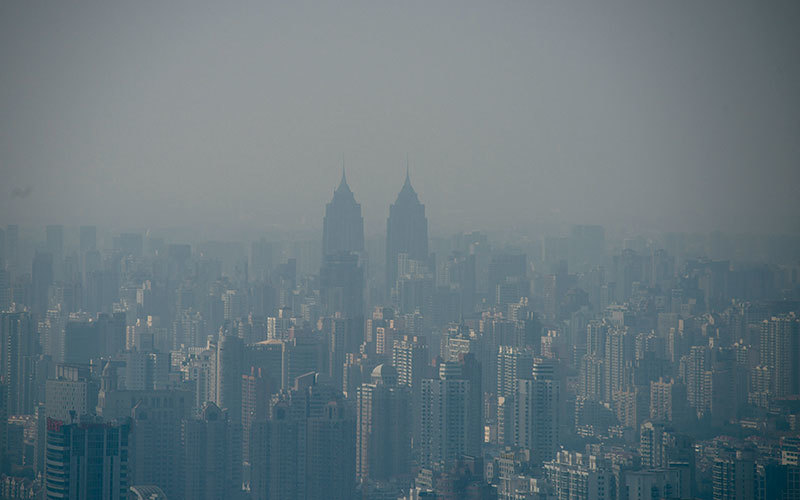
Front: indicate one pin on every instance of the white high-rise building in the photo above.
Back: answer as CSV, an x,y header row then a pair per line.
x,y
451,413
574,476
536,412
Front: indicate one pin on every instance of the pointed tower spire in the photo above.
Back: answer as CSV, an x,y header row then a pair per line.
x,y
343,182
408,172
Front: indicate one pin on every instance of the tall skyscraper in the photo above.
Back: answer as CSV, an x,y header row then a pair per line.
x,y
2,248
592,376
155,441
330,455
451,414
86,340
256,391
780,354
513,363
697,378
410,359
12,247
71,394
206,455
406,231
306,449
507,274
345,336
230,357
20,347
342,285
536,415
55,247
383,448
618,361
42,277
586,247
733,475
88,238
88,459
343,226
5,289
667,401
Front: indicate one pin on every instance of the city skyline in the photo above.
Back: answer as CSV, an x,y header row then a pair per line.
x,y
400,251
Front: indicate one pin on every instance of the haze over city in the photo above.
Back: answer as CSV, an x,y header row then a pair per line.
x,y
399,250
663,115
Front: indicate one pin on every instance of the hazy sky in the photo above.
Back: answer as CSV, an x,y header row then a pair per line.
x,y
670,114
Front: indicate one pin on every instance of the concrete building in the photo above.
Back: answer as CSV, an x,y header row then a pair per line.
x,y
87,460
574,476
383,437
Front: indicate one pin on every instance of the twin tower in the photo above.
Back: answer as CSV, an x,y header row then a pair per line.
x,y
406,228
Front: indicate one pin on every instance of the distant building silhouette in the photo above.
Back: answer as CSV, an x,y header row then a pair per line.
x,y
406,231
343,226
19,349
383,450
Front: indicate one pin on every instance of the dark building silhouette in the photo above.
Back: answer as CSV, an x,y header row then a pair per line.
x,y
206,456
343,226
306,448
20,348
342,285
230,357
55,247
88,459
406,231
88,238
383,450
87,340
42,276
586,247
155,440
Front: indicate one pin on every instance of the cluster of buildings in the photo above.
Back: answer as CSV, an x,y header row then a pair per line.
x,y
569,367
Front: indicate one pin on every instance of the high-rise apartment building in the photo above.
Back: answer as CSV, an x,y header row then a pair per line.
x,y
697,377
733,475
330,456
513,363
451,413
667,401
592,377
230,358
19,350
536,411
575,476
306,448
618,361
206,456
780,354
88,239
383,437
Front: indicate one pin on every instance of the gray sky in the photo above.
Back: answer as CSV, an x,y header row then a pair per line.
x,y
666,115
